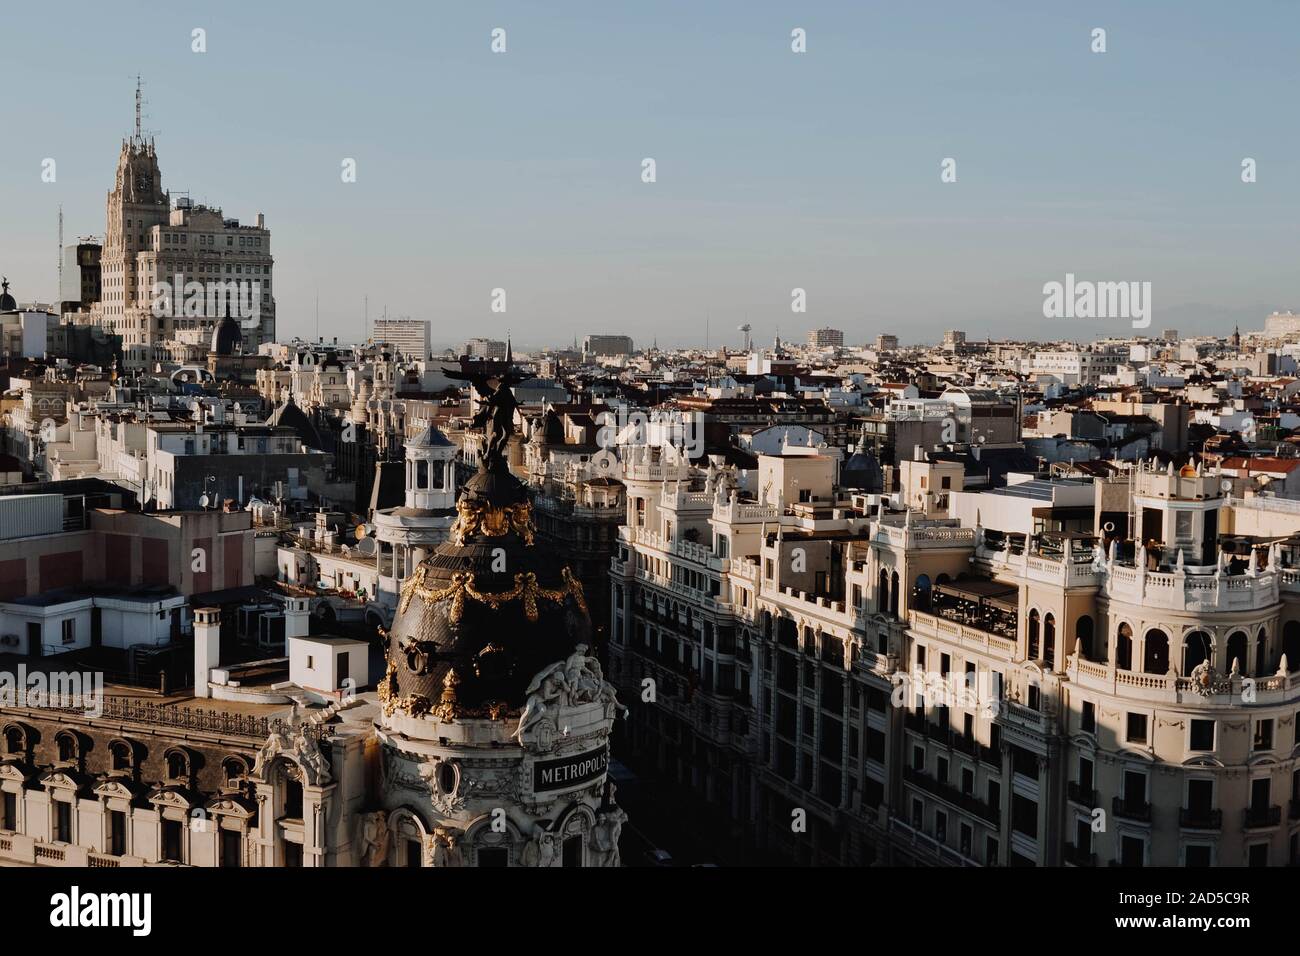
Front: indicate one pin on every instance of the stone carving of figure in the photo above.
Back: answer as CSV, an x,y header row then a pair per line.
x,y
540,850
446,851
277,742
609,826
374,839
308,752
583,676
545,691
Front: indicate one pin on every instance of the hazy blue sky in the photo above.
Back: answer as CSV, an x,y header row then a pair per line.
x,y
775,170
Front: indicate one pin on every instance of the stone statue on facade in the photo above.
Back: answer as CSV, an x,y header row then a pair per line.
x,y
446,850
374,838
540,850
609,826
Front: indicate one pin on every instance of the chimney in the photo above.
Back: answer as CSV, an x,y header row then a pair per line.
x,y
207,646
296,618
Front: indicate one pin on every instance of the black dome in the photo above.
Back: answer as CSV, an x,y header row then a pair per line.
x,y
226,337
862,472
483,614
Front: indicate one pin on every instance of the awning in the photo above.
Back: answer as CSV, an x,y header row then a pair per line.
x,y
982,591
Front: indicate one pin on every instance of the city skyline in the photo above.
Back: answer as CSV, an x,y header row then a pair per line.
x,y
775,170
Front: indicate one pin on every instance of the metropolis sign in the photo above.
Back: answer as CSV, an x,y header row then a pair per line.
x,y
564,772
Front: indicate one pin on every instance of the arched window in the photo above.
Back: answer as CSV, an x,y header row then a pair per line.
x,y
1033,634
882,592
1155,656
233,770
67,745
15,740
1261,654
1124,648
1237,651
178,765
1197,649
1291,645
893,594
921,596
119,755
1049,642
1083,636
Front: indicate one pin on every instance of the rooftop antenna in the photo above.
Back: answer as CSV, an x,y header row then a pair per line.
x,y
56,298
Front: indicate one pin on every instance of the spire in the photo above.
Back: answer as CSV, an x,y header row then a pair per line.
x,y
138,133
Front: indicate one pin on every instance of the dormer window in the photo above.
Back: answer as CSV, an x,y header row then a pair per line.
x,y
68,747
178,765
15,741
120,756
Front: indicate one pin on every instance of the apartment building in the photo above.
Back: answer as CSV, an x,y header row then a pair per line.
x,y
1071,673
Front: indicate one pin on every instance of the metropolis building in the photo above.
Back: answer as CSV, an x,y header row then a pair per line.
x,y
485,743
1061,673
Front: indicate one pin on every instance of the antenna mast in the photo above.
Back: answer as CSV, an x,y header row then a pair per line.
x,y
60,295
138,135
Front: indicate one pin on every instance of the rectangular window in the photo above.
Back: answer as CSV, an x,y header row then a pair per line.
x,y
231,846
1088,724
70,631
1264,734
1024,815
171,841
9,814
62,821
1202,735
1137,728
116,833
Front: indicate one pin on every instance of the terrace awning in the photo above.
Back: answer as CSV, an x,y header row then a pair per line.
x,y
981,591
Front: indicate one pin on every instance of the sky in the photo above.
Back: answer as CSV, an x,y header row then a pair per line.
x,y
774,170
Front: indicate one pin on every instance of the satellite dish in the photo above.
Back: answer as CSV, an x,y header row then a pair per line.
x,y
204,501
49,430
1226,484
366,546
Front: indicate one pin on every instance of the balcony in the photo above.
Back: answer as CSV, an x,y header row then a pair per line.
x,y
1256,817
1079,795
1179,591
1138,812
1200,819
950,794
998,643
